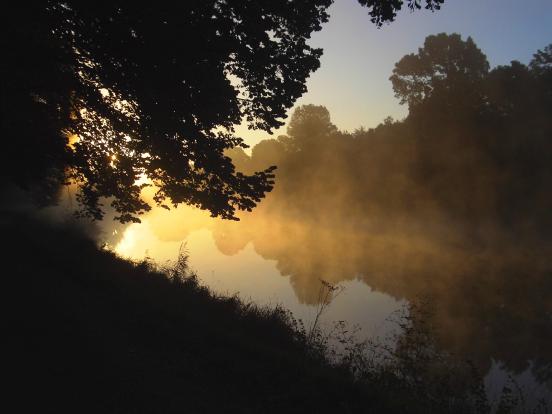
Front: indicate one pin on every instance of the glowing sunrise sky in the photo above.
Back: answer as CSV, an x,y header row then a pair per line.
x,y
353,80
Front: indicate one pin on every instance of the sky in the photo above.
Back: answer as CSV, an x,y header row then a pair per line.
x,y
353,80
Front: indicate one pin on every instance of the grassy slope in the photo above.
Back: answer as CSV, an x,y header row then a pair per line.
x,y
88,332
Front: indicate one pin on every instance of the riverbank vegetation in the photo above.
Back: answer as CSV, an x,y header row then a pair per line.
x,y
91,332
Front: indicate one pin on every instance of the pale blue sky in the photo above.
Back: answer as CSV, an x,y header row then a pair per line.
x,y
358,59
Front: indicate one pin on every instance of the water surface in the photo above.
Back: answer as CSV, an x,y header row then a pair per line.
x,y
492,303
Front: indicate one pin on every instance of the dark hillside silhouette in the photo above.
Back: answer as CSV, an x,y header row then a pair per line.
x,y
89,332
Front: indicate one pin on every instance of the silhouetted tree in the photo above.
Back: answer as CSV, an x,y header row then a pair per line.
x,y
445,64
151,90
154,90
267,152
385,11
542,61
309,124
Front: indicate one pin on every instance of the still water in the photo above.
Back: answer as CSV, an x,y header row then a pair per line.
x,y
254,278
492,304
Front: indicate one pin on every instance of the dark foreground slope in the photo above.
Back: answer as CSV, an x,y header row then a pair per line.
x,y
89,332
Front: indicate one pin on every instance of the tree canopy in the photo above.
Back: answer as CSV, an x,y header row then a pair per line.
x,y
444,62
310,122
385,11
104,95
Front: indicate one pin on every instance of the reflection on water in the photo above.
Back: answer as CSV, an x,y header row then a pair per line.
x,y
245,272
493,304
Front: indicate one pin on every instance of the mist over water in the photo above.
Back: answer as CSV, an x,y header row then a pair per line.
x,y
450,205
491,302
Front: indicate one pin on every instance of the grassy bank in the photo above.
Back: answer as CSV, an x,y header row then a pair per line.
x,y
90,332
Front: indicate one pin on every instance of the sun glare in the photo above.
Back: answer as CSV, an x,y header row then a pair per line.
x,y
72,139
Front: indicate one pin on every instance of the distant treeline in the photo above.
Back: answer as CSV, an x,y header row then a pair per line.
x,y
474,152
452,203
